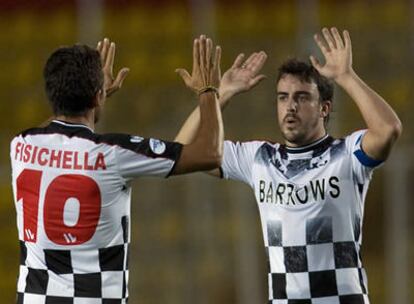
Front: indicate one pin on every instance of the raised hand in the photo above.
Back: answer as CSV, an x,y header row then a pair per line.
x,y
243,75
209,67
206,69
107,51
337,51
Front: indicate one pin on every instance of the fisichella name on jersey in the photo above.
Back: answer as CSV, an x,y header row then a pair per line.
x,y
289,194
63,159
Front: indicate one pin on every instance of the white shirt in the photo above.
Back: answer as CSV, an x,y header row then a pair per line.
x,y
311,203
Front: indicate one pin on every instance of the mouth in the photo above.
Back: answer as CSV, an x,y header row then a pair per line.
x,y
291,120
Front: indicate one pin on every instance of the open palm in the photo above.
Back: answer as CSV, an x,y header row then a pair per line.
x,y
243,75
337,52
107,51
203,59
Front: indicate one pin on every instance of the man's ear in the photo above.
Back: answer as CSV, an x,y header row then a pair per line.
x,y
99,98
326,108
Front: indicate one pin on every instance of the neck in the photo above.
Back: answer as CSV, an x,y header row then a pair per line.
x,y
306,141
87,119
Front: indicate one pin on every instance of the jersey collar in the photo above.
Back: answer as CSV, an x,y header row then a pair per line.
x,y
71,125
319,145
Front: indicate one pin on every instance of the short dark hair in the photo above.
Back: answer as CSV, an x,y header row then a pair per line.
x,y
73,76
306,72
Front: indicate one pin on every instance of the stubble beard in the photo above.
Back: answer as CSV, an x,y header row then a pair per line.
x,y
300,135
295,136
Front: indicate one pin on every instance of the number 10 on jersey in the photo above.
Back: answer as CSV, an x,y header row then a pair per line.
x,y
80,187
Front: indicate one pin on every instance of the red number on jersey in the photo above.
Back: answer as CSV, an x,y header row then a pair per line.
x,y
62,188
69,186
28,187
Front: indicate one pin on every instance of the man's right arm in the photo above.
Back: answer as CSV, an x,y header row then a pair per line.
x,y
204,150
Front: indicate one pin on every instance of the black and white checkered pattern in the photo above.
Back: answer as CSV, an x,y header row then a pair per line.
x,y
74,276
341,282
64,282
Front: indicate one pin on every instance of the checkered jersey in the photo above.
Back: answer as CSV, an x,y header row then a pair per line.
x,y
72,197
311,203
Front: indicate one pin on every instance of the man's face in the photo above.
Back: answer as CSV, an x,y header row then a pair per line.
x,y
300,113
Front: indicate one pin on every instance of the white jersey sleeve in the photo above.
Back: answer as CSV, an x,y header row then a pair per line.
x,y
238,160
362,164
146,157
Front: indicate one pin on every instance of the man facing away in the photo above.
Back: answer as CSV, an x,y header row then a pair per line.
x,y
310,190
72,186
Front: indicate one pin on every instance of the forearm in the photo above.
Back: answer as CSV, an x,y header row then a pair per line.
x,y
206,150
189,129
383,124
377,114
210,133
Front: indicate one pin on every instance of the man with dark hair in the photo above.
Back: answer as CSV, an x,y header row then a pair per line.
x,y
73,76
72,186
310,190
307,73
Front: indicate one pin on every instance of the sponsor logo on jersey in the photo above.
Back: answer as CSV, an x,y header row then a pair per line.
x,y
289,194
136,139
157,146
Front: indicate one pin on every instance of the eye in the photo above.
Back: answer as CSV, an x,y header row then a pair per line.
x,y
303,98
281,98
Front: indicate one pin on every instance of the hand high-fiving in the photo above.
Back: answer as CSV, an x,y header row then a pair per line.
x,y
243,75
107,51
206,69
337,51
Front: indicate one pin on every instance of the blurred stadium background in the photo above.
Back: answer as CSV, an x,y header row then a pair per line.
x,y
197,239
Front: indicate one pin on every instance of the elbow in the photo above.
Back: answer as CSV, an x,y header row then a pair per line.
x,y
395,130
398,128
390,134
214,159
217,160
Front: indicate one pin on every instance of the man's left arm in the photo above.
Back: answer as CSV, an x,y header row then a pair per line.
x,y
384,126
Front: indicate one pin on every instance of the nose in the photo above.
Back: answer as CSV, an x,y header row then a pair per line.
x,y
292,105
